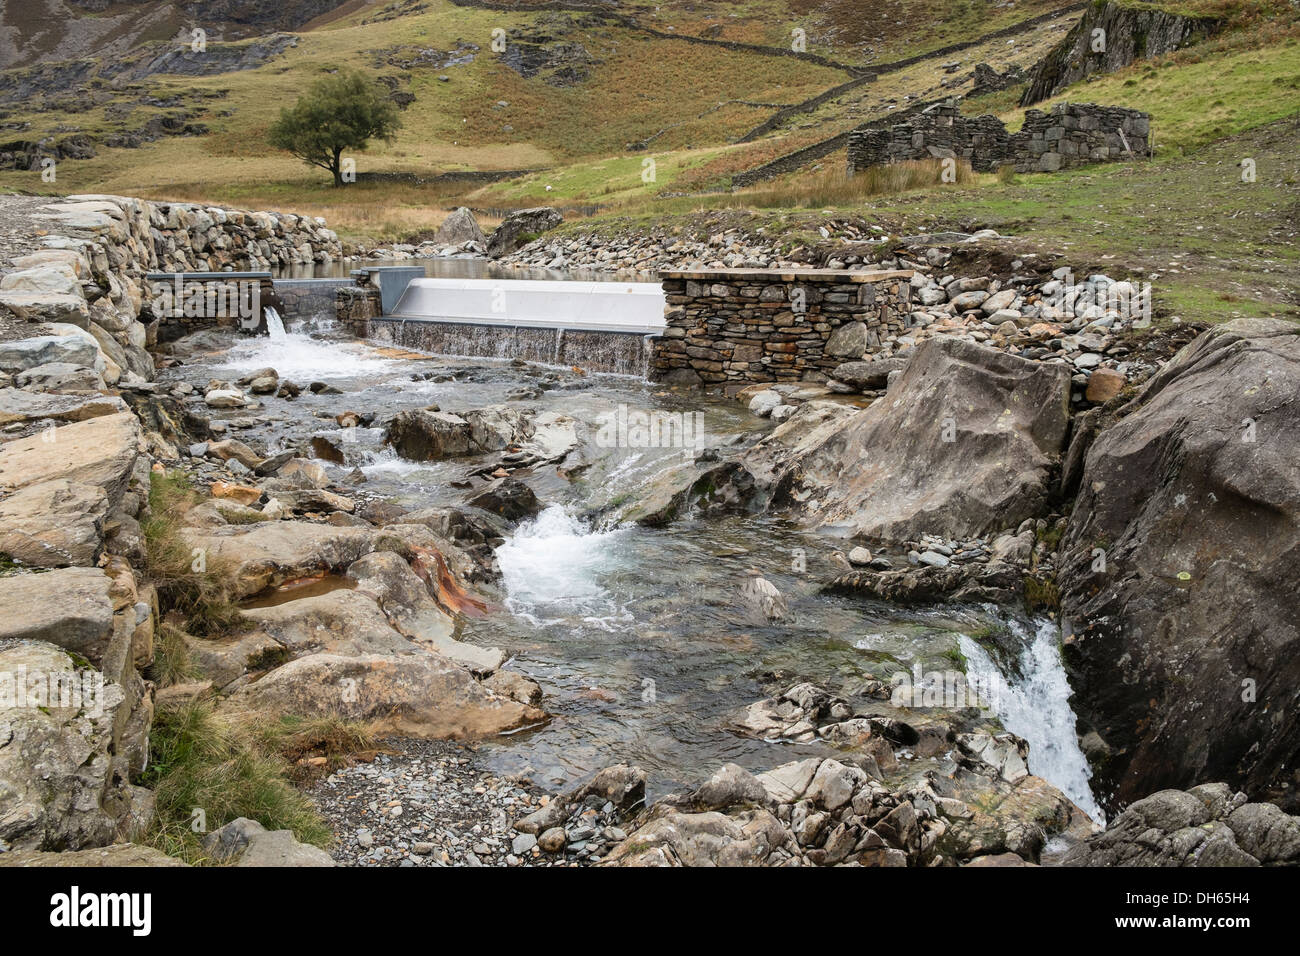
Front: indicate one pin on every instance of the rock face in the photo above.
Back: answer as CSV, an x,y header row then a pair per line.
x,y
520,227
962,444
1130,33
1179,574
1208,825
66,758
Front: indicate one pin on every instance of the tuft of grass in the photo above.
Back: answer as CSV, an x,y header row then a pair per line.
x,y
225,766
202,592
1041,595
241,764
171,661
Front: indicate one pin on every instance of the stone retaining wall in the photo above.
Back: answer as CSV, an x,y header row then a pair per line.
x,y
1072,134
729,328
355,306
310,298
90,255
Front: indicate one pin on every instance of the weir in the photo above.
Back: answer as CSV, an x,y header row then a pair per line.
x,y
599,326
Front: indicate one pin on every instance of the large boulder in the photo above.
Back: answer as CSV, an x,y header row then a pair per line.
x,y
520,227
961,445
250,844
421,694
29,353
70,607
459,227
1179,572
268,553
18,406
54,524
423,434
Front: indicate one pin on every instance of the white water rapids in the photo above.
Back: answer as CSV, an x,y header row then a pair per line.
x,y
598,613
1036,706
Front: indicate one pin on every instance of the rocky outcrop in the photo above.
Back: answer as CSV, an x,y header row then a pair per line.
x,y
244,842
1209,825
460,227
963,443
832,812
427,434
1179,573
71,738
1129,32
420,694
520,227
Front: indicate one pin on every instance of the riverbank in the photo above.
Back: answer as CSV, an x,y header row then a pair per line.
x,y
835,634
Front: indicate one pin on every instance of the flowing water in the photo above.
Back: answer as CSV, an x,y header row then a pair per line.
x,y
640,637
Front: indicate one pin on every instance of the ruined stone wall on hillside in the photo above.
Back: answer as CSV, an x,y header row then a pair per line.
x,y
1072,134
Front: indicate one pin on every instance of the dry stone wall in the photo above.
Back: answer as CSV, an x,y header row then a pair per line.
x,y
1072,134
730,328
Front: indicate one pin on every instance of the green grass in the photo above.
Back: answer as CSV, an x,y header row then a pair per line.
x,y
171,662
238,765
202,593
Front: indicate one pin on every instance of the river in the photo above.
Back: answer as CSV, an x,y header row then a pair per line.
x,y
639,636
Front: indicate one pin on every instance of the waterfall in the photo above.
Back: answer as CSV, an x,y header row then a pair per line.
x,y
1036,706
274,324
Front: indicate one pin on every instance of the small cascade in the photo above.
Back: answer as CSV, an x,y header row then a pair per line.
x,y
274,324
618,353
1036,706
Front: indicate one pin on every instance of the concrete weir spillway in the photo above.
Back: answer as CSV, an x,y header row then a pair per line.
x,y
599,326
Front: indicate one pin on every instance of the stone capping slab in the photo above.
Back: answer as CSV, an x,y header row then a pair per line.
x,y
787,275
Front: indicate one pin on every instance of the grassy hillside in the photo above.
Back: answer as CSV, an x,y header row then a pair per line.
x,y
646,90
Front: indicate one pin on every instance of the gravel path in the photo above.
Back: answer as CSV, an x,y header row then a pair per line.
x,y
18,227
427,803
18,236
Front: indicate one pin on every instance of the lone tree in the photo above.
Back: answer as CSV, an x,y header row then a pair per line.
x,y
339,112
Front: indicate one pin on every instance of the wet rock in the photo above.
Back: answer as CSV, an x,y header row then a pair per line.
x,y
509,498
423,435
